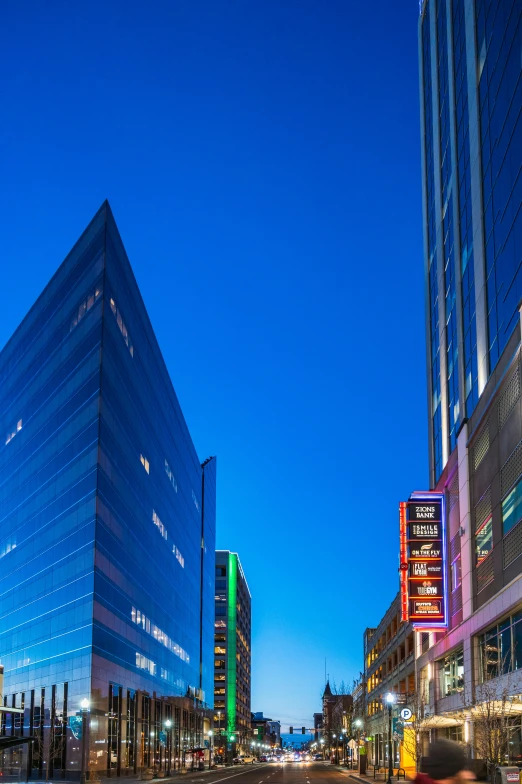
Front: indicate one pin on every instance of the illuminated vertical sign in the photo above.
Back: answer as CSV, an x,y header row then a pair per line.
x,y
426,560
403,562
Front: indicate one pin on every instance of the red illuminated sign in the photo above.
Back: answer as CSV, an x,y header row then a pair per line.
x,y
403,562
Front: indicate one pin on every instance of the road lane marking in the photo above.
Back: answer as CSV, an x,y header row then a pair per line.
x,y
225,778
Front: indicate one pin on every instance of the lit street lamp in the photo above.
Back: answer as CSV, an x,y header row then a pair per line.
x,y
168,725
210,749
390,699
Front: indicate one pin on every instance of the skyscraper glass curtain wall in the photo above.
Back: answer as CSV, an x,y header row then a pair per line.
x,y
472,143
107,578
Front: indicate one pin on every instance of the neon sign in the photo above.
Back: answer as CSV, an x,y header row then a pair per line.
x,y
424,599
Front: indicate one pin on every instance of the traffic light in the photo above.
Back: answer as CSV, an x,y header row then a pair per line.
x,y
291,730
303,730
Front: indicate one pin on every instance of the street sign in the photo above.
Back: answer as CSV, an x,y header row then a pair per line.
x,y
406,714
400,699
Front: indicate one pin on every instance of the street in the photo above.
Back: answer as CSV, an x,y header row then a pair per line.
x,y
274,773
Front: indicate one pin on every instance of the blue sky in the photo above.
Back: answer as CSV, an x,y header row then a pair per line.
x,y
262,159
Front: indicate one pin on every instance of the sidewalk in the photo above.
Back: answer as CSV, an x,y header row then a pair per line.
x,y
368,777
189,775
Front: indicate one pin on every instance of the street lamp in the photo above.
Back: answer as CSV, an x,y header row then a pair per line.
x,y
390,699
334,736
168,725
358,724
85,708
210,749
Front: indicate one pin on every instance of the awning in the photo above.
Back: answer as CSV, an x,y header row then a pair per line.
x,y
14,740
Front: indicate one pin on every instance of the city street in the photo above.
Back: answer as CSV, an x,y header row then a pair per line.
x,y
271,773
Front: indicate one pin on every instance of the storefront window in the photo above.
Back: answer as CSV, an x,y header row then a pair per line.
x,y
501,648
451,674
455,733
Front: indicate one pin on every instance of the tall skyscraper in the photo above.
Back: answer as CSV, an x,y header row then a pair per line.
x,y
471,155
232,655
107,529
471,97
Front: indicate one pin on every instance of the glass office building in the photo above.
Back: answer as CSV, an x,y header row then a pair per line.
x,y
471,127
107,529
471,93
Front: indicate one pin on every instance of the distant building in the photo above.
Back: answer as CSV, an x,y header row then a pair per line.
x,y
329,701
275,732
359,701
318,725
232,654
266,731
336,719
342,714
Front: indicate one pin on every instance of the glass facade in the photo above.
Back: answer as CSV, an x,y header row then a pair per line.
x,y
448,231
106,588
501,648
472,142
451,674
431,231
467,266
499,42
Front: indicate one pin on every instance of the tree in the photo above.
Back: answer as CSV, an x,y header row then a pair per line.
x,y
495,711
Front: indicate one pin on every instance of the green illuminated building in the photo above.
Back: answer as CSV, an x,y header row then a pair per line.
x,y
232,654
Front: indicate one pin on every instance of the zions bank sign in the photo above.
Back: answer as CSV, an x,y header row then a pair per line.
x,y
423,567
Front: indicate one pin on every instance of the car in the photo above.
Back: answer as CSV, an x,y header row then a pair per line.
x,y
263,758
318,756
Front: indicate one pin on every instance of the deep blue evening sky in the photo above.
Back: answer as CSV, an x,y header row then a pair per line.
x,y
262,159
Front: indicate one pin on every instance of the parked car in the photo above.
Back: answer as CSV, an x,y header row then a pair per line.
x,y
318,756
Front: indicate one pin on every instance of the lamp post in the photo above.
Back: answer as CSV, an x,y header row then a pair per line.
x,y
210,749
390,699
85,708
168,725
334,736
358,724
322,746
